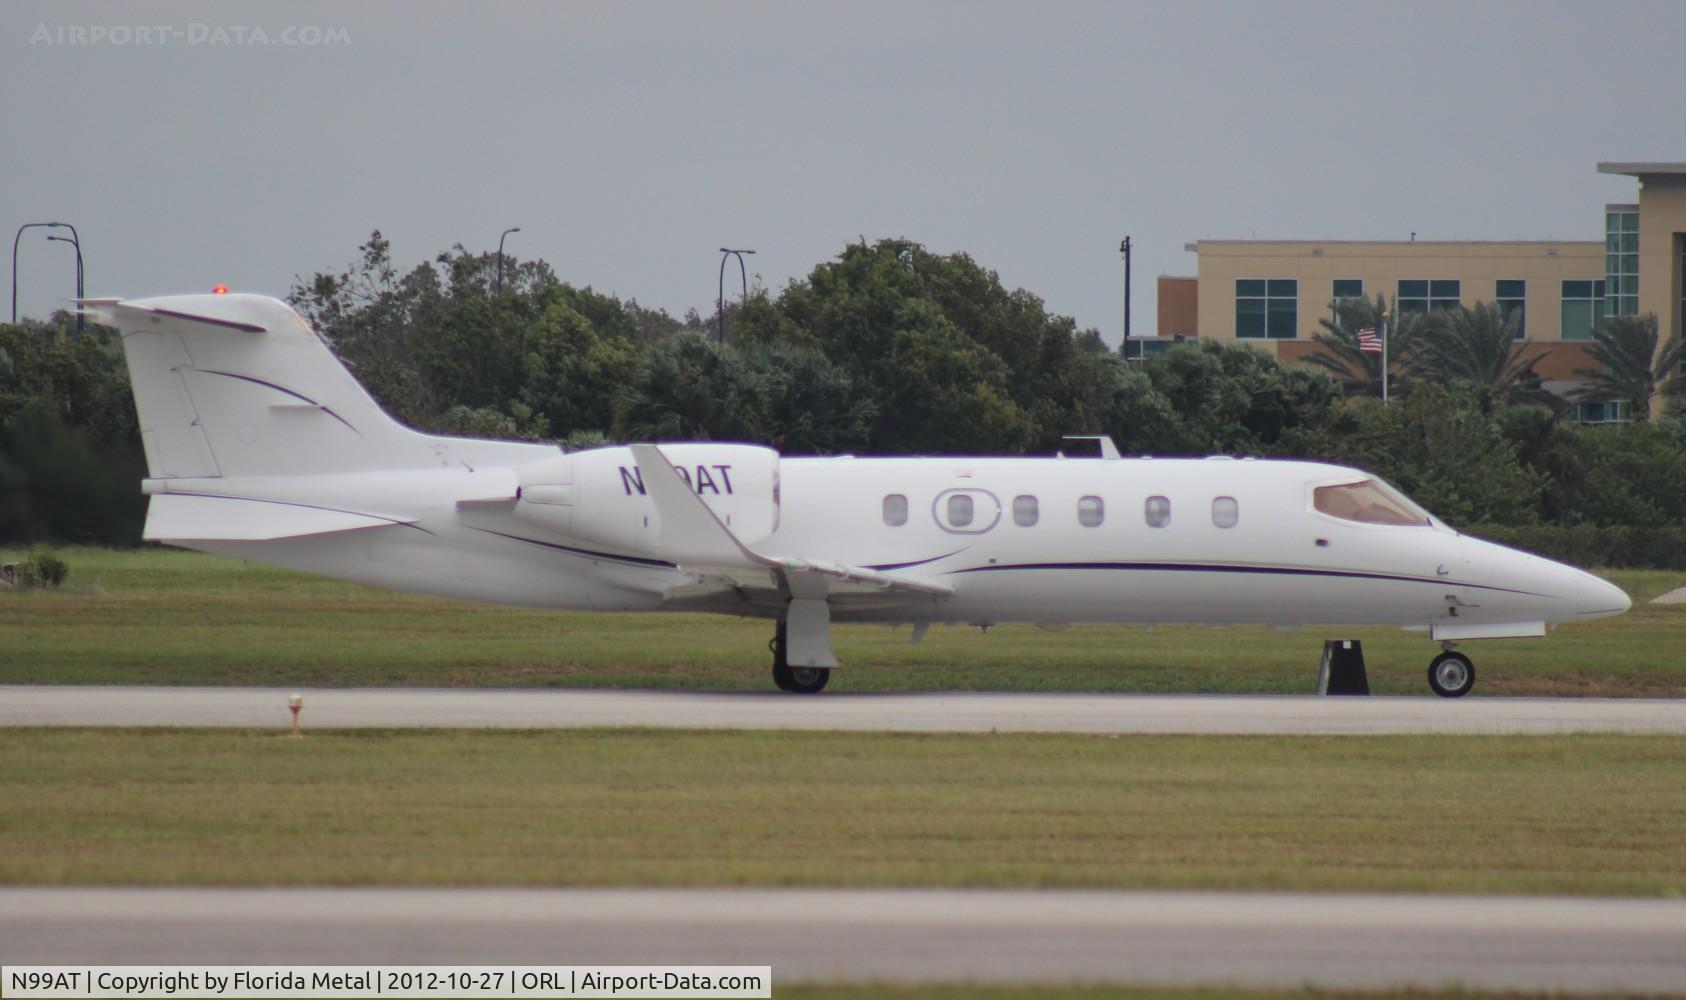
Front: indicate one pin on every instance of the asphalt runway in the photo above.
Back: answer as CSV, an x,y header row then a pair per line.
x,y
339,708
1257,939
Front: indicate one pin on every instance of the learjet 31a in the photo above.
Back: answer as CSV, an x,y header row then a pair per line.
x,y
261,445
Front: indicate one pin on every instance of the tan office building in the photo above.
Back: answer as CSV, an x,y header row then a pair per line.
x,y
1271,294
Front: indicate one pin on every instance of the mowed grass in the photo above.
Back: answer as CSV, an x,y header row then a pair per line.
x,y
155,616
1577,814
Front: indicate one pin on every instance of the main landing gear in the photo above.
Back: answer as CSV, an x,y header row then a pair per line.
x,y
1450,674
798,680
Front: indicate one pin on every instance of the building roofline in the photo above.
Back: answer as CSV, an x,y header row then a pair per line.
x,y
1640,168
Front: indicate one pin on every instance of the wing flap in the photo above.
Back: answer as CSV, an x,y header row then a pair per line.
x,y
201,518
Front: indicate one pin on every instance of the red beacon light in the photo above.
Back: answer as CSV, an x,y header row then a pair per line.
x,y
220,290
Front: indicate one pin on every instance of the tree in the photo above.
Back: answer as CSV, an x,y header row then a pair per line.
x,y
1478,346
1631,368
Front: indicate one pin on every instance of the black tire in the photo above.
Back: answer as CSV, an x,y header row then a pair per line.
x,y
801,680
1451,675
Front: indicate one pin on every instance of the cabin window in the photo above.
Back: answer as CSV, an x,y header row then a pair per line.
x,y
1368,502
960,511
1025,511
1225,512
1157,510
895,510
1091,511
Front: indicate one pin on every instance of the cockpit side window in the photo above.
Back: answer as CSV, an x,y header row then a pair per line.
x,y
1367,502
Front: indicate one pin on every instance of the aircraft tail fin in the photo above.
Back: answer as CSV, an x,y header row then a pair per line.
x,y
240,385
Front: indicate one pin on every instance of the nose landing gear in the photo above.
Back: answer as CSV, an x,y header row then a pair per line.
x,y
1451,674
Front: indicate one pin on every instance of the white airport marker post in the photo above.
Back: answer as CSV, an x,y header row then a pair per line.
x,y
295,703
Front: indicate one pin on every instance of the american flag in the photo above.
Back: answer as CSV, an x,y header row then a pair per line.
x,y
1369,342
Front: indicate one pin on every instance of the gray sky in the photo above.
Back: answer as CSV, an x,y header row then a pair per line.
x,y
630,140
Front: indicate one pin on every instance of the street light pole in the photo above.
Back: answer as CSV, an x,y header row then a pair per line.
x,y
743,274
76,242
501,237
1124,248
18,236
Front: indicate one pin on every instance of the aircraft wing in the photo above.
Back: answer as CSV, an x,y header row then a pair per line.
x,y
695,539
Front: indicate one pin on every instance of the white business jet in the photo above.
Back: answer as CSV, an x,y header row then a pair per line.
x,y
261,445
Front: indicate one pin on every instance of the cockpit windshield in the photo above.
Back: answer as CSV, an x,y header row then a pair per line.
x,y
1368,501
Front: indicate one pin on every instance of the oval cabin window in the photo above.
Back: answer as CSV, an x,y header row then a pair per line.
x,y
959,511
1157,511
1225,512
1091,511
895,510
1025,511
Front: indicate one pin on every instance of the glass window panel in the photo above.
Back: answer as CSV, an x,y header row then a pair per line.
x,y
895,510
1577,289
1283,316
1577,319
1512,289
1630,263
1157,511
1612,221
1444,289
1368,502
1630,222
1443,305
1612,241
1413,289
959,510
1612,263
1250,286
1025,511
1408,306
1091,511
1598,289
1225,512
1249,317
1284,288
1630,243
1349,288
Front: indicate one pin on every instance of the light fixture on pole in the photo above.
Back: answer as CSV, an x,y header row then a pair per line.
x,y
81,320
501,237
743,273
18,236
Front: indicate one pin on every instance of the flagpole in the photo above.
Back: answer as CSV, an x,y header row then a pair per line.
x,y
1384,355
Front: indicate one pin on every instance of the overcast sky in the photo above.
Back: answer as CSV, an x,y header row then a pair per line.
x,y
629,141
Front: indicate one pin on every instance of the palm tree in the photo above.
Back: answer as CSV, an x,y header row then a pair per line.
x,y
1360,372
1631,369
1479,346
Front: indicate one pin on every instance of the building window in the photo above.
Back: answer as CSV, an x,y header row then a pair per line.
x,y
1349,288
1267,309
895,510
1025,511
1091,511
1225,512
1583,305
1512,297
1621,260
1157,511
1611,412
1137,348
1436,295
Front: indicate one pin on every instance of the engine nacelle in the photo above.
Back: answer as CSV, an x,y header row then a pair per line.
x,y
599,496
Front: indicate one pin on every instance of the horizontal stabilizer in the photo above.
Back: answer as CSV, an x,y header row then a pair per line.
x,y
111,310
183,517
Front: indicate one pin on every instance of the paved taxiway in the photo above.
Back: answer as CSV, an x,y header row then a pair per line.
x,y
26,705
911,935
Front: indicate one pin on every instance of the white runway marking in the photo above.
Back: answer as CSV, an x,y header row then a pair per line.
x,y
1272,940
336,708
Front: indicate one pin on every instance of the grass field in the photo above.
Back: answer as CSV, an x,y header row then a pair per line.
x,y
1537,814
152,616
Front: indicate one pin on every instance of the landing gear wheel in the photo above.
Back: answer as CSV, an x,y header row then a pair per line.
x,y
1451,675
801,680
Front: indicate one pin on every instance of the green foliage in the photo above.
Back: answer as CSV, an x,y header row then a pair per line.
x,y
1478,347
1228,398
1359,372
1662,547
42,570
1631,369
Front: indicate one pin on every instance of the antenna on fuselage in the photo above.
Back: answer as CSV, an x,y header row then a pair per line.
x,y
1109,451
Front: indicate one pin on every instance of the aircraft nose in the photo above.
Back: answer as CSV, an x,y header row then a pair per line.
x,y
1596,598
